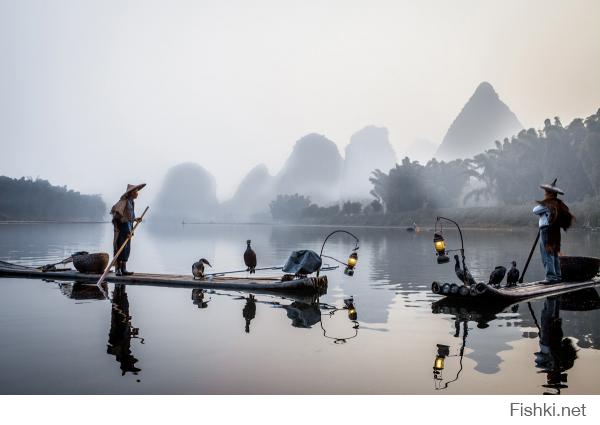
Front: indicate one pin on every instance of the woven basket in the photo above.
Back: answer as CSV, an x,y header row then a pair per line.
x,y
91,263
579,269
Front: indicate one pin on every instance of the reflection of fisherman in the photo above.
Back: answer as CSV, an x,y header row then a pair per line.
x,y
249,311
557,354
554,215
123,213
119,337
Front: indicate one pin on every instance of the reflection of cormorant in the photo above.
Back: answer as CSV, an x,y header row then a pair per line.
x,y
198,298
249,311
557,354
121,332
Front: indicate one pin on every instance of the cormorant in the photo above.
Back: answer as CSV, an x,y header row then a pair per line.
x,y
250,258
513,274
198,268
497,275
466,278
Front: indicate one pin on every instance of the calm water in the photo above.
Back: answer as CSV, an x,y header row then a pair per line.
x,y
60,337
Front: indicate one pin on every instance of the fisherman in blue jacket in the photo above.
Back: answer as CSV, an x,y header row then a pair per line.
x,y
553,215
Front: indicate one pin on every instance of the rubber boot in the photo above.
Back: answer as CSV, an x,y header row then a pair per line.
x,y
118,269
124,271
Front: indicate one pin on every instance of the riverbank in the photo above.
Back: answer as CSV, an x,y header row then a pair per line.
x,y
587,214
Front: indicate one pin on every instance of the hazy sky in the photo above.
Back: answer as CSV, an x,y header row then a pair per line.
x,y
98,94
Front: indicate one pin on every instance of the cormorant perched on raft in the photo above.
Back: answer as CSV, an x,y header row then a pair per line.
x,y
497,276
250,258
512,277
198,268
460,273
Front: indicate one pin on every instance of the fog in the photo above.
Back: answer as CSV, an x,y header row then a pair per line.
x,y
95,95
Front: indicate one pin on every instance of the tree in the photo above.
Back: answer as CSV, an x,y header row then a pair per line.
x,y
288,207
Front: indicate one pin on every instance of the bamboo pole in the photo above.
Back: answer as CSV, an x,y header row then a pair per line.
x,y
537,238
112,263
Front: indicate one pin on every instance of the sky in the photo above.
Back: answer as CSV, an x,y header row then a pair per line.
x,y
98,94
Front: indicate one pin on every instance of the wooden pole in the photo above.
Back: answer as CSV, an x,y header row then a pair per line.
x,y
537,238
121,248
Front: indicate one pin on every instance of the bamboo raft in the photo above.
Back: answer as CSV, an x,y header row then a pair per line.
x,y
483,293
316,285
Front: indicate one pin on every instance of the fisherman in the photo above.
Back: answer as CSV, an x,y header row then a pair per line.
x,y
123,213
554,215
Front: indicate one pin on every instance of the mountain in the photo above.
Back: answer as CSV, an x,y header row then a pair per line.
x,y
484,119
313,169
369,149
188,194
252,197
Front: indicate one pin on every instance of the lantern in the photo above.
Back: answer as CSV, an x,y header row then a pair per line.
x,y
351,263
440,248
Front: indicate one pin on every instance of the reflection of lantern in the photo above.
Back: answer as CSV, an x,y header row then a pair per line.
x,y
349,305
352,260
440,248
352,315
438,364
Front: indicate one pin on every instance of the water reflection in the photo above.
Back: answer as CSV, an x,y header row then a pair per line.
x,y
121,332
249,311
443,351
198,298
557,354
81,290
352,314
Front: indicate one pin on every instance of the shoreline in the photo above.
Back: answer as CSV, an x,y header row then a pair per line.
x,y
402,227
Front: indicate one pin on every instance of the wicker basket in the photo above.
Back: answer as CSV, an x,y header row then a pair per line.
x,y
579,269
91,263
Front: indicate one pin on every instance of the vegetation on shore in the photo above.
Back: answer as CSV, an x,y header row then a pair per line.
x,y
37,200
587,214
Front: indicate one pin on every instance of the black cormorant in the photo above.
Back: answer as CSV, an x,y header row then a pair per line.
x,y
512,277
250,258
466,278
198,268
497,275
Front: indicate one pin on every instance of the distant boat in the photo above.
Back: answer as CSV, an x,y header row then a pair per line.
x,y
413,228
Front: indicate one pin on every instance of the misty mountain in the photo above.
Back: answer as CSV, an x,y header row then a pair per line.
x,y
484,119
313,169
188,194
252,196
27,199
369,149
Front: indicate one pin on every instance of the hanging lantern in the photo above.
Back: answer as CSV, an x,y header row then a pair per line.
x,y
440,248
352,260
439,243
